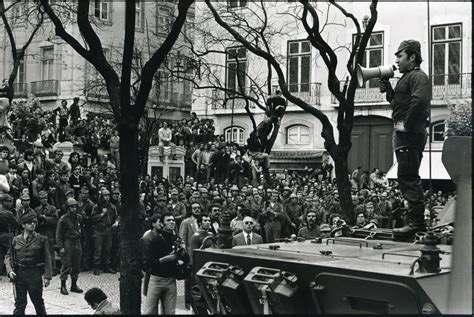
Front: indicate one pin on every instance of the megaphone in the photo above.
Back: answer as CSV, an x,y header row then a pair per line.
x,y
363,74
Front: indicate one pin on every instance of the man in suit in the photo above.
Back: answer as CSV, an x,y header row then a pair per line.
x,y
187,229
247,236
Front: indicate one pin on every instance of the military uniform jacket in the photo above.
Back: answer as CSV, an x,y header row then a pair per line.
x,y
68,228
410,101
103,223
47,217
34,253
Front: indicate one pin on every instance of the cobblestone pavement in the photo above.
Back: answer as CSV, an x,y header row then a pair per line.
x,y
74,304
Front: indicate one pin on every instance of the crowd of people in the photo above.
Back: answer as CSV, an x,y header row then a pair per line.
x,y
74,203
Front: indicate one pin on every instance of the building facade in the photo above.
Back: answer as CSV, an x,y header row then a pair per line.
x,y
446,52
52,70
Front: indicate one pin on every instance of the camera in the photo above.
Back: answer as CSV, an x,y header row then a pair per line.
x,y
177,253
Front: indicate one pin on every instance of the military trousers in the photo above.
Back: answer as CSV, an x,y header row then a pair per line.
x,y
29,281
102,247
71,260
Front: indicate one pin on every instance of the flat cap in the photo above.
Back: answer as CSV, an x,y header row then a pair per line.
x,y
42,194
71,202
28,217
174,191
410,45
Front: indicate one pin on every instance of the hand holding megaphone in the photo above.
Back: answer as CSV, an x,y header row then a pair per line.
x,y
383,72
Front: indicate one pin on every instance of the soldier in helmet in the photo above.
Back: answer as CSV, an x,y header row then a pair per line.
x,y
47,221
410,101
103,217
68,240
33,260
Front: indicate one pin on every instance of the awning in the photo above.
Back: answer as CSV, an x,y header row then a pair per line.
x,y
296,155
438,171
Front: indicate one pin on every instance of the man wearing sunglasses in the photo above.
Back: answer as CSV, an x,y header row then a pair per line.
x,y
247,236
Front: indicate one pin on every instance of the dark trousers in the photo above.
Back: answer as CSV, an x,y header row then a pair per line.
x,y
71,260
4,246
102,247
87,244
29,281
409,181
188,285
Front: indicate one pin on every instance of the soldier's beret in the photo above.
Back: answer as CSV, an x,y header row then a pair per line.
x,y
28,217
42,194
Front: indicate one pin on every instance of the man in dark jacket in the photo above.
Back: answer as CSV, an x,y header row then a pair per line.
x,y
163,253
410,101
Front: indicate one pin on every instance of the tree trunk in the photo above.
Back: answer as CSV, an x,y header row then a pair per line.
x,y
130,233
344,187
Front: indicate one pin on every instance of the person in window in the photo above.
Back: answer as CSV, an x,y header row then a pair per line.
x,y
410,101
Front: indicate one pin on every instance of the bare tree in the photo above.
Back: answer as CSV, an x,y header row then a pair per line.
x,y
13,14
310,19
127,114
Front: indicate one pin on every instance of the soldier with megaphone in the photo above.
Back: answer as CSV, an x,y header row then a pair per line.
x,y
409,101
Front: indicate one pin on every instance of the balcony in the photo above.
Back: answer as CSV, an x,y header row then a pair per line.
x,y
309,93
452,86
21,90
219,101
173,100
45,88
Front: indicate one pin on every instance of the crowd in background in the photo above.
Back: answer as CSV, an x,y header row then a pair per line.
x,y
221,177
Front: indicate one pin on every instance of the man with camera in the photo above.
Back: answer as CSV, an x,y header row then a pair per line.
x,y
409,101
163,253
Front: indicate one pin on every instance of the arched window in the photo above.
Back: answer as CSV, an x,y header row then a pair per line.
x,y
297,134
234,134
438,129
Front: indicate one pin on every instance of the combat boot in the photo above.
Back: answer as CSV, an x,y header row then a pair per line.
x,y
74,287
416,223
63,288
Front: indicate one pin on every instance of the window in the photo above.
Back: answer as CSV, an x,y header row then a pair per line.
x,y
438,131
20,78
446,50
299,65
234,134
139,14
373,55
297,134
47,63
164,20
236,66
164,83
102,9
236,3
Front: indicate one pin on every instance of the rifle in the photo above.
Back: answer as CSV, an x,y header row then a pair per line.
x,y
13,261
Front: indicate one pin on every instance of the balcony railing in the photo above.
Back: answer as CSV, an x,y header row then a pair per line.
x,y
309,93
21,90
45,88
221,101
443,87
173,100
